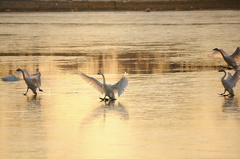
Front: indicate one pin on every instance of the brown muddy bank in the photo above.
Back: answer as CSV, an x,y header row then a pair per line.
x,y
117,5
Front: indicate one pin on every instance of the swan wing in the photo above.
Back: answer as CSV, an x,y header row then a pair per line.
x,y
26,74
217,54
229,76
236,54
36,79
234,79
93,82
121,84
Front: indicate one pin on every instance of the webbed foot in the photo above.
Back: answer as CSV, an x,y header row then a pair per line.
x,y
104,99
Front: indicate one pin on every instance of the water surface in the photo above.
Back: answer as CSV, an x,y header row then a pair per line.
x,y
170,109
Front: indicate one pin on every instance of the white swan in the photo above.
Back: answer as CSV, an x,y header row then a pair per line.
x,y
230,59
10,78
230,82
32,83
107,89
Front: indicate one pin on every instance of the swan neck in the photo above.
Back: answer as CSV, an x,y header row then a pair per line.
x,y
104,81
224,75
23,74
223,53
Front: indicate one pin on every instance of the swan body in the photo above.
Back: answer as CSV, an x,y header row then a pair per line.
x,y
230,59
10,78
229,82
32,82
107,89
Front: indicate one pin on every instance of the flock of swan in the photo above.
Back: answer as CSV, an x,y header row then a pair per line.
x,y
33,81
231,81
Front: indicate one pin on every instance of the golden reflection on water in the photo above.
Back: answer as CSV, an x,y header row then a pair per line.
x,y
170,109
166,114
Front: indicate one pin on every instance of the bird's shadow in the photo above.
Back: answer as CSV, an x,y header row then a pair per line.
x,y
230,104
105,109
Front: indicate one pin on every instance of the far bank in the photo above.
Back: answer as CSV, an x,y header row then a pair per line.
x,y
117,5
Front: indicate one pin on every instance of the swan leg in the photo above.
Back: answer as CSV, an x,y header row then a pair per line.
x,y
35,93
222,94
228,95
40,89
113,98
229,68
26,91
103,99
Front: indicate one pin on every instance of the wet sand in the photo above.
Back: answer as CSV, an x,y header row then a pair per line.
x,y
83,5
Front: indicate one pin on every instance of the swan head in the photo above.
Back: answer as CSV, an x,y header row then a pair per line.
x,y
216,49
18,69
100,73
221,70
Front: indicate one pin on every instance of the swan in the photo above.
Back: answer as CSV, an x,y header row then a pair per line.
x,y
10,78
230,59
32,83
230,82
107,89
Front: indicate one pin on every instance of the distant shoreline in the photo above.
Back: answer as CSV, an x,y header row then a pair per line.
x,y
116,5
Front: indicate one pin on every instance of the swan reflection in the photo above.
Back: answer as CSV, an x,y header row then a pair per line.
x,y
33,102
117,108
231,104
106,109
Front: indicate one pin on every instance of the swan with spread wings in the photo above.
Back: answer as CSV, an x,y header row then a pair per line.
x,y
32,81
107,89
229,82
230,59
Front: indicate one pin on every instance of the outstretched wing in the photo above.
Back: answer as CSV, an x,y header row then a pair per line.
x,y
26,74
234,79
121,84
229,76
217,54
236,54
93,82
36,79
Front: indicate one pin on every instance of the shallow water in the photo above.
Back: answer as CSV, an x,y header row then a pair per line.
x,y
170,109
